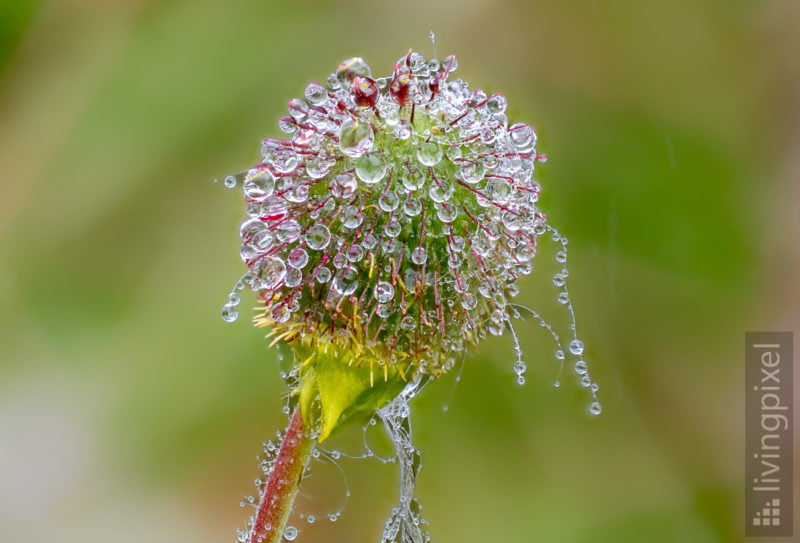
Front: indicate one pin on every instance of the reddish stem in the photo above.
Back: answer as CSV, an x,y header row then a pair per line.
x,y
284,481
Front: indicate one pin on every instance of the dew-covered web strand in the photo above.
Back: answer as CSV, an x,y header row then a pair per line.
x,y
456,381
576,347
405,522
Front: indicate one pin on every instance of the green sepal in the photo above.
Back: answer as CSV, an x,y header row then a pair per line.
x,y
332,394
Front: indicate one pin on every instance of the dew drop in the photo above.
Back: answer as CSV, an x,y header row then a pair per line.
x,y
298,258
441,192
352,217
355,137
388,201
392,228
419,255
383,292
293,277
472,171
323,275
595,408
290,533
496,104
429,153
522,137
229,313
408,323
346,281
316,94
259,185
271,270
355,253
497,190
343,186
371,168
447,212
318,237
576,347
230,181
412,206
469,301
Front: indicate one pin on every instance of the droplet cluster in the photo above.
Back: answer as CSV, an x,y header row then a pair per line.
x,y
397,211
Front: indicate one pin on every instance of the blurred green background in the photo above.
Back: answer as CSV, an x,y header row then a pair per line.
x,y
130,412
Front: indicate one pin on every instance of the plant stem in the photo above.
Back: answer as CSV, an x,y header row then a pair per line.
x,y
284,481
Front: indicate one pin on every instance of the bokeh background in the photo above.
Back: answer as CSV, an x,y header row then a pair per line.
x,y
129,412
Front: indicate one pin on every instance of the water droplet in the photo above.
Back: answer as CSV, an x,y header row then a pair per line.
x,y
290,533
323,275
271,271
284,160
429,153
355,253
369,241
316,94
350,68
318,167
383,292
298,258
346,281
561,257
497,190
229,313
352,217
412,206
318,237
563,298
297,108
371,168
512,221
469,301
355,137
388,201
419,255
258,185
408,323
293,277
580,367
496,104
343,186
311,519
392,228
522,137
230,181
281,313
412,181
403,130
441,192
472,171
447,212
576,347
339,261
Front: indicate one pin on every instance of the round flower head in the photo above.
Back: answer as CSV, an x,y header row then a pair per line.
x,y
390,226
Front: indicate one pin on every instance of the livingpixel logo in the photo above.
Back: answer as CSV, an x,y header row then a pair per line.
x,y
769,453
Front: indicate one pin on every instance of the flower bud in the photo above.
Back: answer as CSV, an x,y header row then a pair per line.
x,y
388,230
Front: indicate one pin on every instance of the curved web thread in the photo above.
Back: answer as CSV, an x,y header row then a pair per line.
x,y
405,525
